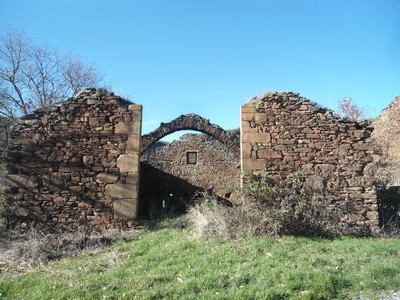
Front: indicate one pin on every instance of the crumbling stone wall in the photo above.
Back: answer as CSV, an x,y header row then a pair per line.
x,y
386,135
282,133
168,175
75,166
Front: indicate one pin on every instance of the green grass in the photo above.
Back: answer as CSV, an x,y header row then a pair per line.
x,y
167,264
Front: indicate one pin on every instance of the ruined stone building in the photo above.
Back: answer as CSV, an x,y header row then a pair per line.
x,y
196,162
76,166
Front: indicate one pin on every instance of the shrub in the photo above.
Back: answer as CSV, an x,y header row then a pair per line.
x,y
210,218
270,207
290,203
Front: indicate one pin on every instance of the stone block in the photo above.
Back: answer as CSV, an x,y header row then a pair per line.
x,y
106,178
261,117
87,160
75,189
125,209
256,137
246,127
94,122
135,107
362,146
247,116
128,128
253,164
373,217
246,150
121,191
269,154
22,181
128,162
137,115
132,179
247,108
133,144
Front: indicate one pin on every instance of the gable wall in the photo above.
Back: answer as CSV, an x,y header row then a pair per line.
x,y
283,133
76,165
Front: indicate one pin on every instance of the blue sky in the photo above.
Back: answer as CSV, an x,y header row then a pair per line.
x,y
210,56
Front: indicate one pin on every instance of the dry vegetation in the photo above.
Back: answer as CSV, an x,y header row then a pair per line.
x,y
273,208
23,250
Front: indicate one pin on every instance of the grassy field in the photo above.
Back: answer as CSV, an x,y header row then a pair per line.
x,y
168,264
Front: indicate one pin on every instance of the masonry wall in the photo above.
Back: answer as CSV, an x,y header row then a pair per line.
x,y
167,172
284,133
75,166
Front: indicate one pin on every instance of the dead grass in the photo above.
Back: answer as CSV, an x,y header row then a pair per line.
x,y
209,218
20,251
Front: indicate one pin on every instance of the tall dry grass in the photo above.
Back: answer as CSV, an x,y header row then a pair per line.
x,y
20,251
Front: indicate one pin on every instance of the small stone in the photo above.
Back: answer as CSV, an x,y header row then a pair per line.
x,y
106,178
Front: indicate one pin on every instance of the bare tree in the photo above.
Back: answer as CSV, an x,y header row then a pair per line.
x,y
349,108
34,77
77,75
14,49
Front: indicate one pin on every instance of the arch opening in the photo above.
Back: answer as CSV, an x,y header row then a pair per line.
x,y
206,158
196,123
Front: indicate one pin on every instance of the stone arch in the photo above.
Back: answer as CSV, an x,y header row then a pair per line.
x,y
192,122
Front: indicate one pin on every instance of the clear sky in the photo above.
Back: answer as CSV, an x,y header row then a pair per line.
x,y
210,56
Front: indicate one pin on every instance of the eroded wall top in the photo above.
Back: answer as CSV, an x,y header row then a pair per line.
x,y
75,165
283,133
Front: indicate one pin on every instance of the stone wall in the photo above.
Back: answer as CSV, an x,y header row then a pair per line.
x,y
75,166
195,162
283,133
386,135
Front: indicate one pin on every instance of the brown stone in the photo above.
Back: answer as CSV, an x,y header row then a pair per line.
x,y
128,162
128,128
121,191
125,208
256,137
106,178
269,154
132,179
21,180
133,144
75,189
94,122
22,211
253,164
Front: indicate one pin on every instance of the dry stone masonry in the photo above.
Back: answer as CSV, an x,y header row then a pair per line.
x,y
282,133
75,166
192,122
200,162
